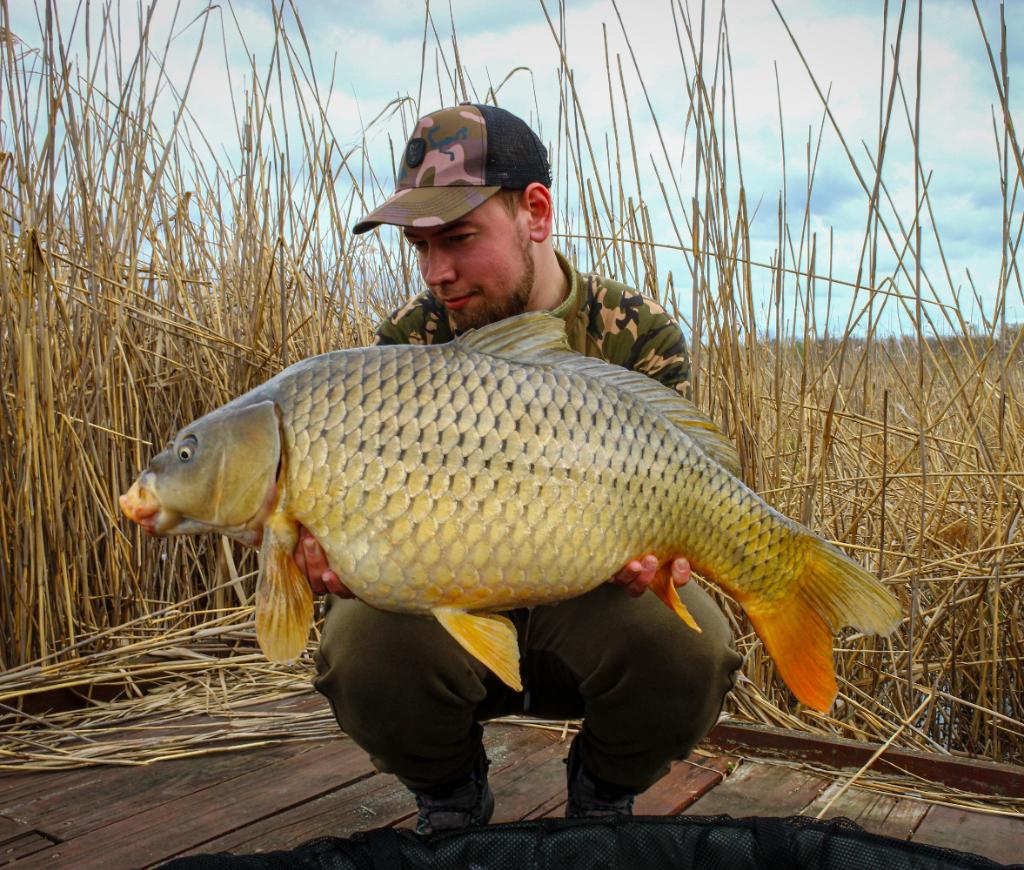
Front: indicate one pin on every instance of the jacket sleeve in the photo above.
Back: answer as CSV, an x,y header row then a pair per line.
x,y
637,333
661,353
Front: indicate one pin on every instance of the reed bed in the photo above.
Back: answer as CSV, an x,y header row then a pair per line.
x,y
147,276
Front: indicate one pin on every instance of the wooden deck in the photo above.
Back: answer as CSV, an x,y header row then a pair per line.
x,y
281,795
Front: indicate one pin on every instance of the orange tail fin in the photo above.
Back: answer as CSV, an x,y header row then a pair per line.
x,y
800,643
797,630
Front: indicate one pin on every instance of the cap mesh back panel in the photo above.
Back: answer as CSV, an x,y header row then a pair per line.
x,y
515,155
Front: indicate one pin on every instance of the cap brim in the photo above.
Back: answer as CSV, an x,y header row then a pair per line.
x,y
426,206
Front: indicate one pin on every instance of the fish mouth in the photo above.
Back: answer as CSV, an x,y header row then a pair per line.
x,y
141,505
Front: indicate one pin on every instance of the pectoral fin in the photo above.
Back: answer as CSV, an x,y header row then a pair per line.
x,y
487,637
284,600
665,589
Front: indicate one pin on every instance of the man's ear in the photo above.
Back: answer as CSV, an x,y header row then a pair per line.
x,y
537,202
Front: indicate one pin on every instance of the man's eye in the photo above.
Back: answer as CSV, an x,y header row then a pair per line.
x,y
460,238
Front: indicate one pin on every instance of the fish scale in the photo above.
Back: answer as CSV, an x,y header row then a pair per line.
x,y
497,471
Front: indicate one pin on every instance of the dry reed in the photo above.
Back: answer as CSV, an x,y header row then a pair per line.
x,y
146,279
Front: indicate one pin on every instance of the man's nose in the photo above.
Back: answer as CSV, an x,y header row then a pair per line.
x,y
437,268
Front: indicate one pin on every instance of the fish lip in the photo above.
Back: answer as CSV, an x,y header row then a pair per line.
x,y
142,506
159,524
140,503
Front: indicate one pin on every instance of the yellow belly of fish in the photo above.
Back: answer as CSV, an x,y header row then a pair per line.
x,y
538,544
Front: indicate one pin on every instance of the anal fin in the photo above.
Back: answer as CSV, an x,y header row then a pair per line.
x,y
487,637
665,589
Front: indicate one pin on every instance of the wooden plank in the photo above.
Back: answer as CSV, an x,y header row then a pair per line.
x,y
22,846
377,801
533,787
552,808
370,803
11,828
999,838
685,783
148,837
509,744
104,795
531,778
969,774
877,813
18,788
904,818
18,840
757,789
527,778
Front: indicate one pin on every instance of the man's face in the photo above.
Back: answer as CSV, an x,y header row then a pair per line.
x,y
479,267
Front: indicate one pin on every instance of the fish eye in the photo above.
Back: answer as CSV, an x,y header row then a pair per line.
x,y
187,449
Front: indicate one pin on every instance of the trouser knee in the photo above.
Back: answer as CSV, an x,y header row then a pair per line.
x,y
652,687
403,689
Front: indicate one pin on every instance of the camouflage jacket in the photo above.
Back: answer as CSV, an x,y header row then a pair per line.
x,y
603,319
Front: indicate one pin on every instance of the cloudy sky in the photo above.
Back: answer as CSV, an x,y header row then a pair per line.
x,y
372,52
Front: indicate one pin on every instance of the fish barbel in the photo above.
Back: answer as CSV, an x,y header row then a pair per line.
x,y
500,470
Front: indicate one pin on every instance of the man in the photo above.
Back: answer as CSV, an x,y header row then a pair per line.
x,y
473,199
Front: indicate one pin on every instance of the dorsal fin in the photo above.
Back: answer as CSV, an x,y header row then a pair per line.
x,y
679,411
535,337
538,338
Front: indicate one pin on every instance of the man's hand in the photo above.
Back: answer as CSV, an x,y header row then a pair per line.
x,y
312,561
638,575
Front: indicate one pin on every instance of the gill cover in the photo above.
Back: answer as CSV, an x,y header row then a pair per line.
x,y
219,469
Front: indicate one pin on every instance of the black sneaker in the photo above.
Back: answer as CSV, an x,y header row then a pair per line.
x,y
469,802
591,799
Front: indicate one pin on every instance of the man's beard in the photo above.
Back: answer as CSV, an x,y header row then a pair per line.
x,y
493,310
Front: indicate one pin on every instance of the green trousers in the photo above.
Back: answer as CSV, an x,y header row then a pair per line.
x,y
648,687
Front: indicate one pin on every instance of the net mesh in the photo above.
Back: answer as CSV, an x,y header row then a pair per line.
x,y
652,843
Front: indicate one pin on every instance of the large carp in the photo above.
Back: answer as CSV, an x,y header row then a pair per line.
x,y
500,470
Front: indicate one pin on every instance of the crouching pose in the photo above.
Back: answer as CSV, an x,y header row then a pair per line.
x,y
473,198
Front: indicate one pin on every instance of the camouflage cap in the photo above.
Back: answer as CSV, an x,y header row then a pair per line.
x,y
457,159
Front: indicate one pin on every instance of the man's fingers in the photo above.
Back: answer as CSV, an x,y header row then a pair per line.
x,y
627,574
639,574
642,569
312,561
648,568
680,572
314,557
333,583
